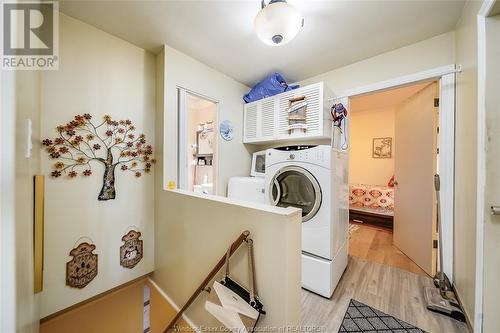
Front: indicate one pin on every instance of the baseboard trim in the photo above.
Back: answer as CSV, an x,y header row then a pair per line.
x,y
173,304
94,298
467,318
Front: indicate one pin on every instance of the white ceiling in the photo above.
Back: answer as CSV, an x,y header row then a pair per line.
x,y
384,99
220,33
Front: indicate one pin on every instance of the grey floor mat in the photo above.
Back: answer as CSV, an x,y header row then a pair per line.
x,y
360,317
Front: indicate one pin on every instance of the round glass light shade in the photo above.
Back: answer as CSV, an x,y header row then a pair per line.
x,y
278,23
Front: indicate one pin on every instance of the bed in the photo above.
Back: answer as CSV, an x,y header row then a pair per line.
x,y
372,204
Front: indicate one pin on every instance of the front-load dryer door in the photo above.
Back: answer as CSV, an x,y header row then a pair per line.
x,y
296,187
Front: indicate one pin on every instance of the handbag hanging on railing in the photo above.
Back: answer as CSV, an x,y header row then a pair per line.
x,y
237,308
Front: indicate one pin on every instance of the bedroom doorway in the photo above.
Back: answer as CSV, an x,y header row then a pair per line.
x,y
392,160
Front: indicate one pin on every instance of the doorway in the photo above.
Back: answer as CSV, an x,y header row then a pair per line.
x,y
197,142
393,158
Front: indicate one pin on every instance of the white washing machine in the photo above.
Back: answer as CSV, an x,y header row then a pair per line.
x,y
314,179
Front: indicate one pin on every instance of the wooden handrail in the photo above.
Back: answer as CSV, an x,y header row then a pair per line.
x,y
236,244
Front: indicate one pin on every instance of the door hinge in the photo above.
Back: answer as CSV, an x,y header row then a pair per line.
x,y
436,102
437,151
435,244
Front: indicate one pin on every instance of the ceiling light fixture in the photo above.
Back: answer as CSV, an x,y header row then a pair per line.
x,y
278,22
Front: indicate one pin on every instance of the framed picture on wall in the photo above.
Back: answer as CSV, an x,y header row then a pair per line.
x,y
205,142
382,148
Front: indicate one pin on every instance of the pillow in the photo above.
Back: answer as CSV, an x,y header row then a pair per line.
x,y
391,182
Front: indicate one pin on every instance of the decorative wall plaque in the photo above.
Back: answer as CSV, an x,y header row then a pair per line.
x,y
83,143
83,267
226,130
131,250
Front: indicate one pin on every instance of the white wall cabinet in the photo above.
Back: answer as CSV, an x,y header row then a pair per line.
x,y
266,120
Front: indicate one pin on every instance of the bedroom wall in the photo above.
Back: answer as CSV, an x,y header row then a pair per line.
x,y
364,126
98,74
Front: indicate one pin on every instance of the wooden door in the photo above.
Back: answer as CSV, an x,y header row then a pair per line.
x,y
415,165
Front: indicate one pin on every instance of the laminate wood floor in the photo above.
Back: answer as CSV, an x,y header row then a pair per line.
x,y
389,289
375,244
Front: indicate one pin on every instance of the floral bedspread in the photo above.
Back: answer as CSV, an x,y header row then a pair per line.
x,y
375,198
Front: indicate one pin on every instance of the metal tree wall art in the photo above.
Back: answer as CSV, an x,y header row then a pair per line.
x,y
81,143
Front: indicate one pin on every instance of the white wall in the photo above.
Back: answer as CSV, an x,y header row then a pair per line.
x,y
7,203
28,106
186,72
98,74
19,97
194,232
491,319
427,54
465,156
364,126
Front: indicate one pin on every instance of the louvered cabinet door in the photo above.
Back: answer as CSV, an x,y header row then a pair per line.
x,y
314,95
314,115
250,126
267,119
283,103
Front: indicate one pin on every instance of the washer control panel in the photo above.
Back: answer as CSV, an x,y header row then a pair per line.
x,y
294,148
312,154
